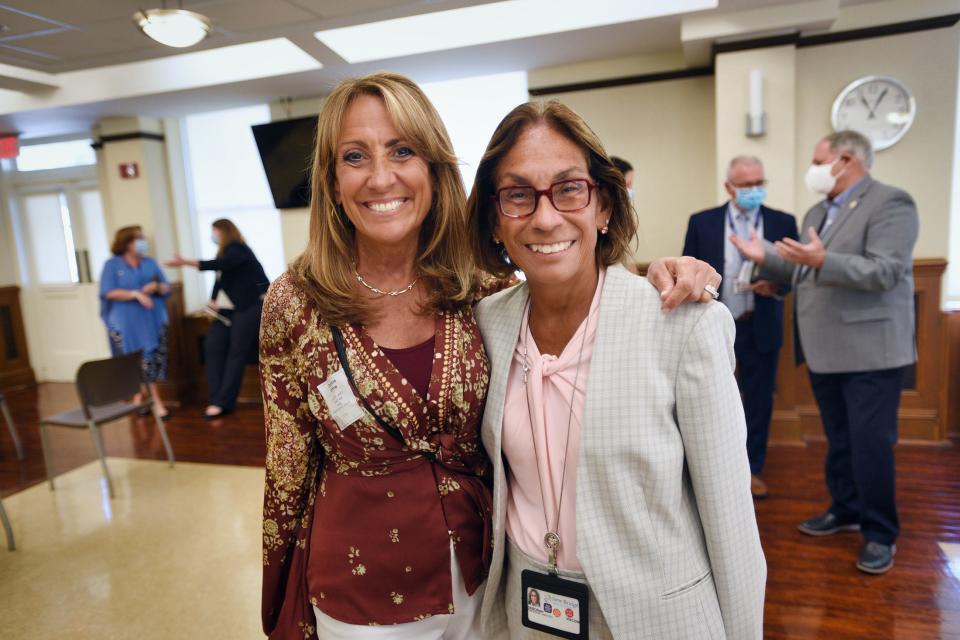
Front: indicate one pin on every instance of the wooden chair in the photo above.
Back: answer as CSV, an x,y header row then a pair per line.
x,y
104,387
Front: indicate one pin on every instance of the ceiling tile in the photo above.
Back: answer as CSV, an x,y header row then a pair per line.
x,y
19,24
73,11
338,8
253,15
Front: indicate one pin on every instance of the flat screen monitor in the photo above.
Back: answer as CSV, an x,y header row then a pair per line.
x,y
286,151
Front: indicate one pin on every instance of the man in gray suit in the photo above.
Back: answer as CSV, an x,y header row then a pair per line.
x,y
852,274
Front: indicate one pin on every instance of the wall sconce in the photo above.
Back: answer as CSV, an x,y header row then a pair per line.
x,y
756,118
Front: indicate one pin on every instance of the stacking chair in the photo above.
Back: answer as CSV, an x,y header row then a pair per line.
x,y
5,410
7,529
104,387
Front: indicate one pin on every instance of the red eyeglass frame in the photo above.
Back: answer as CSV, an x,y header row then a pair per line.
x,y
538,193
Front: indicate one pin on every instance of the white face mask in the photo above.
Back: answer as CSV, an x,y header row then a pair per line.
x,y
819,178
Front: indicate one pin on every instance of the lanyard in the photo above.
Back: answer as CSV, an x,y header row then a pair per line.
x,y
386,426
551,539
756,223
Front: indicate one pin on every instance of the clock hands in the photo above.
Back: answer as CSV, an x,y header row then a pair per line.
x,y
870,114
877,103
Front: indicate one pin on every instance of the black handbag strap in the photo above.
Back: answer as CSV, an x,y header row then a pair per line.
x,y
389,428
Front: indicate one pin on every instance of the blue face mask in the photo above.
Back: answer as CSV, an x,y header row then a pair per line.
x,y
215,240
140,246
751,197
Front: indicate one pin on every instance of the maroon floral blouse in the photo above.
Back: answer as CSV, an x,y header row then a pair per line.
x,y
355,522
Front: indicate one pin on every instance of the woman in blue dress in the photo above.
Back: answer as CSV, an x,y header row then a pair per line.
x,y
133,292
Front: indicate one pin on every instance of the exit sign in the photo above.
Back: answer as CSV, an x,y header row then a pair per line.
x,y
9,147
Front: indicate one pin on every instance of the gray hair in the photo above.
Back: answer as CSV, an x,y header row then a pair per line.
x,y
854,143
753,161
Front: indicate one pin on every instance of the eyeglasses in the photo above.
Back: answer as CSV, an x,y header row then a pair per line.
x,y
566,196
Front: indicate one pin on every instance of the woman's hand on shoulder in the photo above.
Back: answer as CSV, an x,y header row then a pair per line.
x,y
683,279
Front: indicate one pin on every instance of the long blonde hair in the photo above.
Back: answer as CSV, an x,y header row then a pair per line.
x,y
444,257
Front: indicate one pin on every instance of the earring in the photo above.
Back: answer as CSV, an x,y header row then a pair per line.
x,y
606,227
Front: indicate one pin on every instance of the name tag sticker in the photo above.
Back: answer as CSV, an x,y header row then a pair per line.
x,y
341,402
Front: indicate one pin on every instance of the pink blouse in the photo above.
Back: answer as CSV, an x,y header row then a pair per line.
x,y
549,388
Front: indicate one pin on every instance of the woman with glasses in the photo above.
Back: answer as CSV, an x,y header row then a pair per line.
x,y
377,501
616,432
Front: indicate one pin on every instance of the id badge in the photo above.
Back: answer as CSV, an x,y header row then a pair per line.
x,y
555,606
341,402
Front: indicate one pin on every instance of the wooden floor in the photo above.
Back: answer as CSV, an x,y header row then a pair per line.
x,y
813,589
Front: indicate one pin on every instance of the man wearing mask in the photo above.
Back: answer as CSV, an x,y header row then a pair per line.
x,y
855,327
757,307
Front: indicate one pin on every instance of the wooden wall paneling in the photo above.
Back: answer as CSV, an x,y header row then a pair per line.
x,y
15,368
951,348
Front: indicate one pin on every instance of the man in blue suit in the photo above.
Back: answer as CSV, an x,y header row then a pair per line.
x,y
757,307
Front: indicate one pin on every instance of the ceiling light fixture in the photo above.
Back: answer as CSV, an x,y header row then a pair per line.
x,y
173,27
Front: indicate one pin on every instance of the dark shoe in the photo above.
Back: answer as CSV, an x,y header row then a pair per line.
x,y
826,525
215,416
758,488
876,558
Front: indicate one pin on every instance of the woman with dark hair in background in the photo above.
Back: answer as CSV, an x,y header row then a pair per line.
x,y
132,294
237,298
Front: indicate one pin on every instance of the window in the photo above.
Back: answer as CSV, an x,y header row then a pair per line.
x,y
229,182
56,155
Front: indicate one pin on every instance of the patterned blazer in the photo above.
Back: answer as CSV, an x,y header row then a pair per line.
x,y
666,531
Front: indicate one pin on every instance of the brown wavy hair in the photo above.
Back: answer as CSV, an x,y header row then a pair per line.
x,y
444,258
123,237
612,247
228,233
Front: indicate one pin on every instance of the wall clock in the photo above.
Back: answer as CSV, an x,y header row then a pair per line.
x,y
880,107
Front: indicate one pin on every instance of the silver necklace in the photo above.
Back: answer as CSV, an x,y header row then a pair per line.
x,y
551,540
398,292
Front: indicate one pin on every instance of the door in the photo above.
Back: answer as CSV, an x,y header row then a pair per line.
x,y
66,245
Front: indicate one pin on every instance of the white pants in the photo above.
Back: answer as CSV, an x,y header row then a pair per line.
x,y
462,624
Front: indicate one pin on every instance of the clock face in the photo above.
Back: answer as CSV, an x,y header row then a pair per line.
x,y
880,107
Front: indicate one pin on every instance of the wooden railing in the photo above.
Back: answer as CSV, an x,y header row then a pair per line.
x,y
15,369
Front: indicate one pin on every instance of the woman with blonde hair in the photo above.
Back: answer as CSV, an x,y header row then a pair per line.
x,y
236,303
377,503
616,432
376,511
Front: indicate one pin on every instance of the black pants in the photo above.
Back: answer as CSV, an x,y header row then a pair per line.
x,y
758,376
859,414
227,350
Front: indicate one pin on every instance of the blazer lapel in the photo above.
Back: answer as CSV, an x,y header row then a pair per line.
x,y
500,339
612,303
849,207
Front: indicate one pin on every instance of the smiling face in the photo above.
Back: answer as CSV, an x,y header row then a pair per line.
x,y
550,246
384,187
